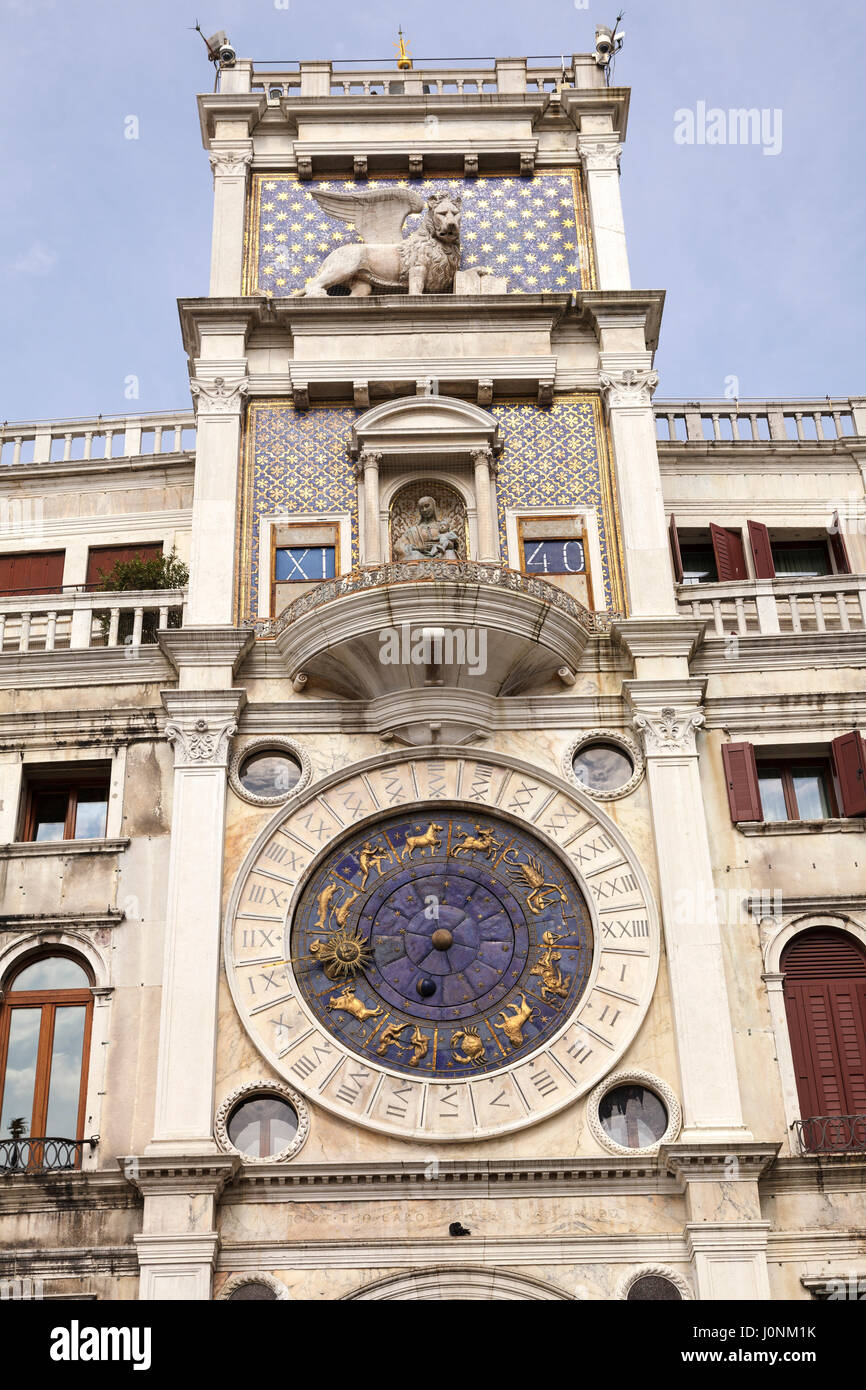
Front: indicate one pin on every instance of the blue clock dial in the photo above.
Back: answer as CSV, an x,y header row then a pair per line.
x,y
451,943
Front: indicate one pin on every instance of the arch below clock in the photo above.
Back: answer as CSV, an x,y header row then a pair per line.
x,y
460,1283
544,799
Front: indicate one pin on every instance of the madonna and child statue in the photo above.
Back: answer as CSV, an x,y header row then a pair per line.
x,y
427,538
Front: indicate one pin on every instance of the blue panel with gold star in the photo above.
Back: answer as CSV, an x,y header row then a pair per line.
x,y
447,946
296,462
533,230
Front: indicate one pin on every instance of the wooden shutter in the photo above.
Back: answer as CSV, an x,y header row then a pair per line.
x,y
849,762
838,547
39,571
101,559
762,552
675,550
730,556
825,1001
741,776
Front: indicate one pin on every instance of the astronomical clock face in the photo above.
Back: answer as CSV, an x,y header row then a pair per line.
x,y
457,966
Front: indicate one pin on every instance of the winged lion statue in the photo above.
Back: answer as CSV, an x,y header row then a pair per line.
x,y
424,262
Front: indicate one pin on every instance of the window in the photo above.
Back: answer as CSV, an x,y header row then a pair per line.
x,y
714,554
72,806
825,1003
101,559
773,788
270,773
44,1044
653,1288
563,555
796,790
632,1117
263,1126
603,766
36,572
303,564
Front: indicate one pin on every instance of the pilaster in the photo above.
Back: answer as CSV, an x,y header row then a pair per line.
x,y
628,395
600,156
725,1232
200,726
230,163
218,393
178,1246
667,715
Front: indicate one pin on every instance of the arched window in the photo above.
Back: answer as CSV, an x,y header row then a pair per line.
x,y
825,1002
44,1045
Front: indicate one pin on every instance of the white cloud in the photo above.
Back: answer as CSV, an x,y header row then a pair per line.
x,y
36,260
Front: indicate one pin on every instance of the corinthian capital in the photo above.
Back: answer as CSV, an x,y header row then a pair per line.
x,y
600,154
230,163
630,387
668,730
484,455
218,397
201,742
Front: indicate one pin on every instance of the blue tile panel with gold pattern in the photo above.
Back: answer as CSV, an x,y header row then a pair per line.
x,y
533,230
297,462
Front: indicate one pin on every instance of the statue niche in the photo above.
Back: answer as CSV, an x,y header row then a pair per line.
x,y
428,523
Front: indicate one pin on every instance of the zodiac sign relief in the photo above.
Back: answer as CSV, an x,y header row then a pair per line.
x,y
323,903
350,1005
390,1037
553,983
466,1045
531,875
429,840
512,1025
420,1043
482,842
371,857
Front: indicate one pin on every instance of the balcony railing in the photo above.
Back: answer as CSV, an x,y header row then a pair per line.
x,y
831,603
103,437
831,1134
81,619
41,1155
749,422
465,572
427,78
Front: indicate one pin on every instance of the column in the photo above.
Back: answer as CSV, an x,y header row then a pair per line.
x,y
482,460
200,726
649,578
666,716
725,1232
369,464
230,164
600,156
219,406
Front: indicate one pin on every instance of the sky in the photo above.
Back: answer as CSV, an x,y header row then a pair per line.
x,y
761,253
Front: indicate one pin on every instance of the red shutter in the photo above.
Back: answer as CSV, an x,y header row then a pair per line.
x,y
102,558
838,547
825,1000
762,553
730,557
675,550
741,775
37,572
849,762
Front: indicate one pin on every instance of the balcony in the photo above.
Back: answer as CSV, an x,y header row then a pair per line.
x,y
831,1134
468,625
41,1155
97,439
816,422
81,618
831,603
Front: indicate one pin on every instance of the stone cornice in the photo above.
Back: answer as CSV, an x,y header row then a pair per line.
x,y
793,651
60,922
183,1173
793,711
38,849
95,1190
734,1162
57,476
206,646
419,1180
90,668
653,637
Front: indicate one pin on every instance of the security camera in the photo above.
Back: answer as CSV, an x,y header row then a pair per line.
x,y
608,42
227,55
219,50
603,44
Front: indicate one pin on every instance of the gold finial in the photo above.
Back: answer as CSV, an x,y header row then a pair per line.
x,y
404,62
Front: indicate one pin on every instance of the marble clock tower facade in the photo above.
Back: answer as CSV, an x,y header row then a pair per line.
x,y
447,955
